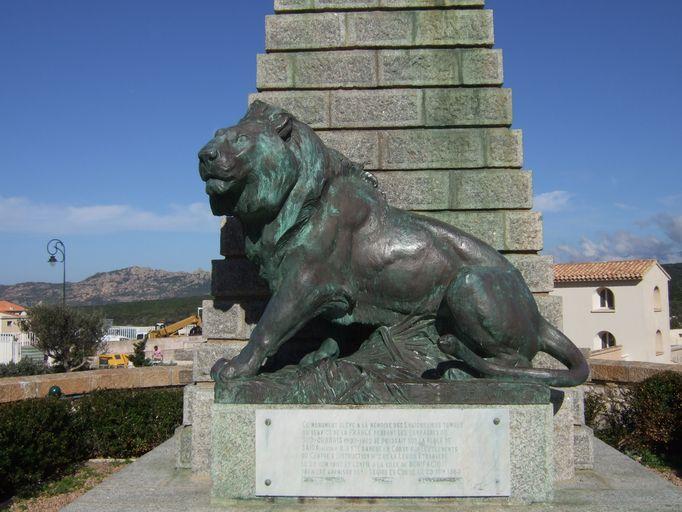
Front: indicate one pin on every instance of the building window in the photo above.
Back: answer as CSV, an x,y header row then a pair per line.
x,y
657,299
9,323
607,339
604,300
659,343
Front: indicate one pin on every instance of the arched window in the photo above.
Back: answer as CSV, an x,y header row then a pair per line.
x,y
657,299
659,343
607,339
604,300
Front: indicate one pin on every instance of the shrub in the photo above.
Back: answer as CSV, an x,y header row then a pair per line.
x,y
42,437
655,409
125,423
24,367
39,439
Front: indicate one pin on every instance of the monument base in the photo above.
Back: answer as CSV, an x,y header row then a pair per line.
x,y
528,449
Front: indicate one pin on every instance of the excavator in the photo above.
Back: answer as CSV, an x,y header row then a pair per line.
x,y
163,331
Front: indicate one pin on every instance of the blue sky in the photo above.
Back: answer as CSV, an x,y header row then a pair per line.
x,y
103,106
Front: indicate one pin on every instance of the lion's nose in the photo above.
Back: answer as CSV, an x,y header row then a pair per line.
x,y
208,155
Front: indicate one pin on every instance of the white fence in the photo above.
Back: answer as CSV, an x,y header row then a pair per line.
x,y
128,331
11,344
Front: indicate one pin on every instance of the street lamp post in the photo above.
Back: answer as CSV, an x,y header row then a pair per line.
x,y
56,247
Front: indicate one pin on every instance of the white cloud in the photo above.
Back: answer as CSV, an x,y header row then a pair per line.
x,y
21,215
554,201
621,245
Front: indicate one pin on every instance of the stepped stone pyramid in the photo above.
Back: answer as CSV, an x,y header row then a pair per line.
x,y
414,90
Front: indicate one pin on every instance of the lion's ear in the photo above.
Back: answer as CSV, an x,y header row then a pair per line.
x,y
283,124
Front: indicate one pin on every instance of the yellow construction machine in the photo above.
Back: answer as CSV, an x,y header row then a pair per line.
x,y
163,331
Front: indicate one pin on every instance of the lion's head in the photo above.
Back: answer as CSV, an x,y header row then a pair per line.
x,y
249,168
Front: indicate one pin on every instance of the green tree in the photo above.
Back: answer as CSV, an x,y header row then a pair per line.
x,y
138,357
67,335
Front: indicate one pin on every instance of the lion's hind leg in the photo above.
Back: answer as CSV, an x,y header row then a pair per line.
x,y
492,319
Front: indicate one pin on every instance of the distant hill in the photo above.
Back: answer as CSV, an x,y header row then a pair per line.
x,y
675,294
148,312
124,285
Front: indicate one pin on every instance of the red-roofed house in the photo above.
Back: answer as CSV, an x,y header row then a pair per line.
x,y
618,309
10,316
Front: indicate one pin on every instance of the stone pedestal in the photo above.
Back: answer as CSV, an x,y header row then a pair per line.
x,y
233,468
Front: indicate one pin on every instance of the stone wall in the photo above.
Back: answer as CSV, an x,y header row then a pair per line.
x,y
76,383
414,90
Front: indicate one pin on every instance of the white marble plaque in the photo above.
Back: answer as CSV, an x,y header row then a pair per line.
x,y
382,452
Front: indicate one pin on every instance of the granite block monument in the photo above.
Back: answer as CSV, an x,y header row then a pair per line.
x,y
408,108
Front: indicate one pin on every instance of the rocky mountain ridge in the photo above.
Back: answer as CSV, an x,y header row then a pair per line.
x,y
123,285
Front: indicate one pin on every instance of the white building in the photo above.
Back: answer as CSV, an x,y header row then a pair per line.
x,y
618,309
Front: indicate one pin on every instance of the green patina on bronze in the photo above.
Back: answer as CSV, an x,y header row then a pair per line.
x,y
441,303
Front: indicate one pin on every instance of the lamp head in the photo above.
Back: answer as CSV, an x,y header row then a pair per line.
x,y
52,261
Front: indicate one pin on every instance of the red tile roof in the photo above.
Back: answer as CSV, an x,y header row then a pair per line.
x,y
10,307
628,270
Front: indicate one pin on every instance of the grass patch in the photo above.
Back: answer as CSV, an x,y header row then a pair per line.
x,y
53,495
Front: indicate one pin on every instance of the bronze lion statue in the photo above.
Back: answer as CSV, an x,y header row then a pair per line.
x,y
328,244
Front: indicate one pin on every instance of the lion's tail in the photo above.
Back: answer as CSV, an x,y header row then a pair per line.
x,y
554,343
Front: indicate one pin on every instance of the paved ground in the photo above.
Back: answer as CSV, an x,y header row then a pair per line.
x,y
152,484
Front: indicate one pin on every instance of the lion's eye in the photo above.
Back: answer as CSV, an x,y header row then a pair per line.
x,y
242,139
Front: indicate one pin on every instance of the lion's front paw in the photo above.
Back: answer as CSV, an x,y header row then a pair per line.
x,y
221,370
224,370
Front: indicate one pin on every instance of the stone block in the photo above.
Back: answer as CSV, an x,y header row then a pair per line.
x,y
451,148
332,70
379,29
198,409
523,231
432,149
305,31
236,278
536,270
183,457
426,4
416,190
233,461
207,354
434,67
119,379
229,320
564,467
452,27
377,108
485,225
468,107
491,189
310,5
583,447
311,107
579,405
481,67
427,67
154,379
504,148
274,71
359,146
231,238
550,307
13,389
70,383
